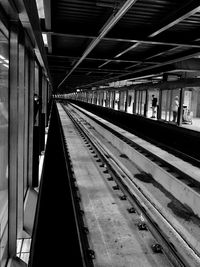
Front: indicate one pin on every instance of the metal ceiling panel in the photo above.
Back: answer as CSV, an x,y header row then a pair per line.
x,y
89,46
69,46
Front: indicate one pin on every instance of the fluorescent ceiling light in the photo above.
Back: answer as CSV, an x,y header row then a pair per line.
x,y
5,65
158,77
127,50
44,36
1,57
40,7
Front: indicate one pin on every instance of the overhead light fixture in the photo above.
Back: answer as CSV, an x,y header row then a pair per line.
x,y
158,77
44,36
2,57
40,8
127,5
105,63
127,50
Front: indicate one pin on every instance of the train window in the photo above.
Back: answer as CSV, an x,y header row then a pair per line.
x,y
4,68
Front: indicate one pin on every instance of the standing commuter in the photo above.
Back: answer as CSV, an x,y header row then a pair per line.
x,y
175,106
154,106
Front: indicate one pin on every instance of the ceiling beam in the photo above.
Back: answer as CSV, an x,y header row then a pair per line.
x,y
153,56
95,70
62,57
104,30
28,16
192,64
49,43
187,10
113,39
47,15
182,58
162,53
163,64
182,13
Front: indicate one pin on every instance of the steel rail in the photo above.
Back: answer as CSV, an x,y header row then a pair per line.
x,y
175,152
120,176
87,253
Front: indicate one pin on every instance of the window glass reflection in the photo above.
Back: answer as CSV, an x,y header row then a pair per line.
x,y
4,67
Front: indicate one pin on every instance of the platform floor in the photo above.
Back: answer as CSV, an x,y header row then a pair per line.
x,y
194,126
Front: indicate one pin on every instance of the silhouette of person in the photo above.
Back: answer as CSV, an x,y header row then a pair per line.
x,y
175,106
154,106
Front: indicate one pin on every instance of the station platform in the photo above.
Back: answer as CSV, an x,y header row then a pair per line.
x,y
195,126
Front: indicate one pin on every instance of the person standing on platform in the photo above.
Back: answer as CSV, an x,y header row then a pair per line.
x,y
175,106
154,106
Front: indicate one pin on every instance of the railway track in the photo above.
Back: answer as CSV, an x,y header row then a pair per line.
x,y
181,180
169,241
192,159
194,184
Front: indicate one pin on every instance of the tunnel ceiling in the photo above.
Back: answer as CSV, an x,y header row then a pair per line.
x,y
94,42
